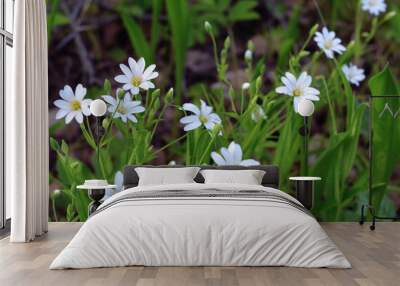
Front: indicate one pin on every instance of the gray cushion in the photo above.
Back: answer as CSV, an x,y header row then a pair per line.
x,y
270,179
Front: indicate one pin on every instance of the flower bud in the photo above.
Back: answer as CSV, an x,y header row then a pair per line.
x,y
313,30
250,45
55,194
156,105
54,144
107,86
224,54
303,54
106,123
389,16
120,93
64,147
169,96
227,42
258,83
248,55
207,27
216,130
245,86
155,94
351,45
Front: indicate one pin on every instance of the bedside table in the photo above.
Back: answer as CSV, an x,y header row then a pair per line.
x,y
95,193
305,190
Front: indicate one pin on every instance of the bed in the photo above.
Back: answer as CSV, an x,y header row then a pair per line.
x,y
198,224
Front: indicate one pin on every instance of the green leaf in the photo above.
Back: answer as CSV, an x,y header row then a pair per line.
x,y
179,20
384,83
54,144
386,133
64,147
289,37
334,166
51,17
350,150
243,11
155,24
70,212
136,37
288,145
80,202
107,87
328,167
60,19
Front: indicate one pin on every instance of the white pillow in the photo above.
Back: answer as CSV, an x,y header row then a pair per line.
x,y
248,177
166,176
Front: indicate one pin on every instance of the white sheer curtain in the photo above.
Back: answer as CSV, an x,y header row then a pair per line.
x,y
27,124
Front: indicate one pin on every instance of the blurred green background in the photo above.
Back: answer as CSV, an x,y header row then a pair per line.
x,y
89,39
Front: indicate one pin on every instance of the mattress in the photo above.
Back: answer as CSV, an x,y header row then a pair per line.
x,y
201,225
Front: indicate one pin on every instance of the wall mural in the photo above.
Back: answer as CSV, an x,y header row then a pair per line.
x,y
387,110
385,156
219,82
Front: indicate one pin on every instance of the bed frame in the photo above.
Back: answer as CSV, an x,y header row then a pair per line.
x,y
270,179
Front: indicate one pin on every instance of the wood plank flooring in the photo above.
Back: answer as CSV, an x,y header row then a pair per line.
x,y
375,257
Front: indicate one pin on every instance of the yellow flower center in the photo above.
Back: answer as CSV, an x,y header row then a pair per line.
x,y
328,44
75,105
136,81
203,119
121,109
296,92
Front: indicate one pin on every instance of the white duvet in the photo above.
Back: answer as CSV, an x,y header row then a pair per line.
x,y
200,231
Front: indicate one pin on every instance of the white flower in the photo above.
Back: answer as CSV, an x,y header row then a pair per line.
x,y
232,156
374,7
353,74
298,88
202,116
118,182
124,109
73,105
328,42
258,114
248,55
135,76
245,86
207,26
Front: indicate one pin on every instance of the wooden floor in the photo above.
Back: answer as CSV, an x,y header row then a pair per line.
x,y
375,257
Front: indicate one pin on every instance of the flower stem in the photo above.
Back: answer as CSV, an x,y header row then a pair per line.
x,y
207,150
87,136
234,50
319,13
149,101
111,123
188,149
358,25
101,165
331,110
158,120
171,143
88,126
214,43
53,204
241,101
